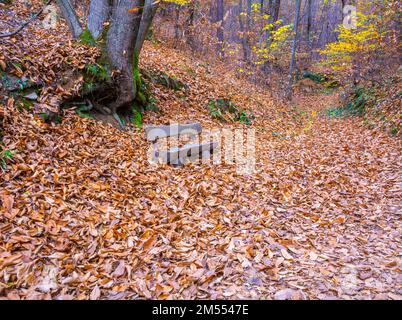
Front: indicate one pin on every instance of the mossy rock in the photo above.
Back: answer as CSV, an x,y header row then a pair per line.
x,y
170,82
220,107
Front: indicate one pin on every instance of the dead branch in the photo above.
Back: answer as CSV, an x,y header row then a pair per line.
x,y
22,26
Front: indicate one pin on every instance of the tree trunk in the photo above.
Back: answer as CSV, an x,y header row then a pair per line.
x,y
130,22
99,12
68,13
121,43
294,49
177,24
244,35
190,25
274,8
219,19
309,21
146,21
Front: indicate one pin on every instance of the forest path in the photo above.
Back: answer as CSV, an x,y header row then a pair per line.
x,y
340,186
84,215
320,217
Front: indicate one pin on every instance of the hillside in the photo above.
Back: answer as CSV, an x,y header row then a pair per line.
x,y
84,215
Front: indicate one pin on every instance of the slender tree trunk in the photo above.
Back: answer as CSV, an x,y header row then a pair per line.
x,y
190,25
294,49
274,9
68,13
219,19
99,13
244,30
177,25
309,21
146,20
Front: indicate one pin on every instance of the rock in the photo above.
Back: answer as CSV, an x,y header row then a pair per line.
x,y
289,294
32,96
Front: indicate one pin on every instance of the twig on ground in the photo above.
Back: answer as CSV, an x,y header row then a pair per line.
x,y
22,26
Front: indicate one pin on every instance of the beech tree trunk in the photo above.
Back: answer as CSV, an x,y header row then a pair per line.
x,y
274,8
219,19
189,31
309,21
130,21
294,48
99,13
244,33
68,13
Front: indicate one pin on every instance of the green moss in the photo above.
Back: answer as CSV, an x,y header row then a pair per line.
x,y
97,71
26,104
86,38
136,117
218,108
88,87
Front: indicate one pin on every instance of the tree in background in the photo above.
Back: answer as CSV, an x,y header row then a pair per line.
x,y
365,52
294,49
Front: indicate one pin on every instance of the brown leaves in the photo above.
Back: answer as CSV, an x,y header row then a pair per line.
x,y
3,65
95,294
8,201
321,207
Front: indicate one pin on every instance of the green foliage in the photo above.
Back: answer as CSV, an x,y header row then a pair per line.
x,y
244,118
4,156
26,104
88,87
50,117
219,107
86,38
83,112
316,77
355,107
152,104
11,84
171,82
97,71
326,80
136,117
215,111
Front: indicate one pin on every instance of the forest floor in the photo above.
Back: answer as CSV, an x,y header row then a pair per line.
x,y
84,214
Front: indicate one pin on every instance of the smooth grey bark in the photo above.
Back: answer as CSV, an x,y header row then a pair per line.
x,y
244,33
294,48
146,21
99,13
121,40
274,8
130,21
219,19
68,13
309,21
189,31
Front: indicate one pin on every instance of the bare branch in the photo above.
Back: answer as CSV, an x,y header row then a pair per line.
x,y
22,26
